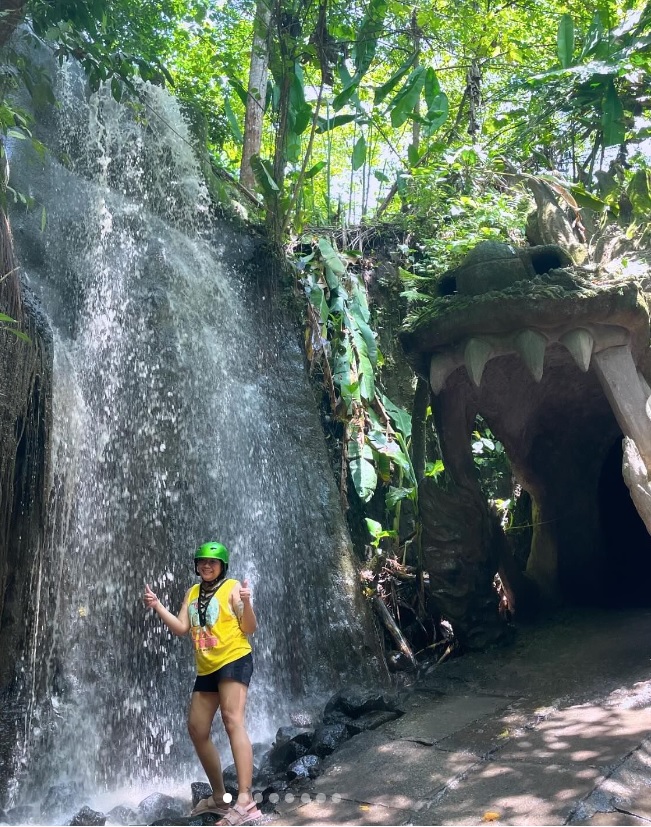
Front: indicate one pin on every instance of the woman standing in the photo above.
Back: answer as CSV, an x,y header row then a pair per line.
x,y
218,614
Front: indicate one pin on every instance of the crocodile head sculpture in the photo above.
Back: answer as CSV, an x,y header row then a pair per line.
x,y
557,362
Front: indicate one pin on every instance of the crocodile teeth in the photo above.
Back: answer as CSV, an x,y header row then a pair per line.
x,y
441,366
579,342
476,354
531,347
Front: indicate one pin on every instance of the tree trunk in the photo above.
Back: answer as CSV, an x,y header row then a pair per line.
x,y
256,92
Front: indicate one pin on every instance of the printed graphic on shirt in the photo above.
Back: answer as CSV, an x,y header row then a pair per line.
x,y
202,636
202,639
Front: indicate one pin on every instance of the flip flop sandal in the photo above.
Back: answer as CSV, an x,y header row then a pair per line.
x,y
207,805
241,815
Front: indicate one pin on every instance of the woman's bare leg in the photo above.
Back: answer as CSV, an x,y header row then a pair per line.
x,y
232,696
203,707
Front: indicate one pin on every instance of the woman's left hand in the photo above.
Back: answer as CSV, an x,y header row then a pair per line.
x,y
245,592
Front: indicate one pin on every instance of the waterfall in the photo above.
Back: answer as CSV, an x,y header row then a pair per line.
x,y
181,414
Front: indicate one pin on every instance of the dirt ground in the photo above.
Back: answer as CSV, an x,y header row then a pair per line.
x,y
554,729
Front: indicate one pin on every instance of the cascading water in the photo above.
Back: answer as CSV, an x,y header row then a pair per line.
x,y
178,418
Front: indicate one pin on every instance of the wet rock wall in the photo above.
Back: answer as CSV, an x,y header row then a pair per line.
x,y
25,420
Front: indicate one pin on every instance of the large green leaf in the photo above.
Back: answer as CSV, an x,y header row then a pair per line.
x,y
399,416
358,296
594,36
232,121
402,105
342,361
587,199
413,155
332,280
314,170
565,40
357,321
359,153
297,88
368,35
344,96
349,89
612,120
239,89
330,257
381,92
377,532
318,301
362,470
300,119
350,393
395,495
438,106
639,193
326,124
366,373
264,176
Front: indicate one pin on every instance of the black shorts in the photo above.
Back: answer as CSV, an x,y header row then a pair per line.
x,y
239,670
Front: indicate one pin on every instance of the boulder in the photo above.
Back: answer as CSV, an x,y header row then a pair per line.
x,y
355,702
88,818
122,815
309,766
301,735
199,790
327,738
158,806
283,754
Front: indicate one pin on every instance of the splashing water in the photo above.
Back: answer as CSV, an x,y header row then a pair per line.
x,y
178,418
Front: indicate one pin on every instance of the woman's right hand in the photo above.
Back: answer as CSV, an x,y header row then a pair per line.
x,y
149,598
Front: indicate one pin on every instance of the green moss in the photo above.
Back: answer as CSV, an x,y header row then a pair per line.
x,y
558,286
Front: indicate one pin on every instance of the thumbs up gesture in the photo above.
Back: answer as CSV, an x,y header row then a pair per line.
x,y
149,598
245,592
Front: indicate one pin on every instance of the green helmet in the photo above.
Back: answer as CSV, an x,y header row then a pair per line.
x,y
212,551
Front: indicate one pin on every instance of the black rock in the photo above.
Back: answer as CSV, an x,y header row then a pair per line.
x,y
260,753
176,821
158,806
266,775
309,766
283,754
279,786
229,774
301,735
122,815
336,716
372,720
354,703
200,790
302,719
327,738
88,818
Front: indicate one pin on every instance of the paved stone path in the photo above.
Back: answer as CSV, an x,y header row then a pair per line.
x,y
553,730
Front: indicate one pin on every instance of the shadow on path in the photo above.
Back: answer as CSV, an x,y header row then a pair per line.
x,y
553,730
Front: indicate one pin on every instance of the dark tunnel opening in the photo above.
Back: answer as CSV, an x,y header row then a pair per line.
x,y
626,542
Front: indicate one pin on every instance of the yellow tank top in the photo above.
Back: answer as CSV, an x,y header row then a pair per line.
x,y
221,640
